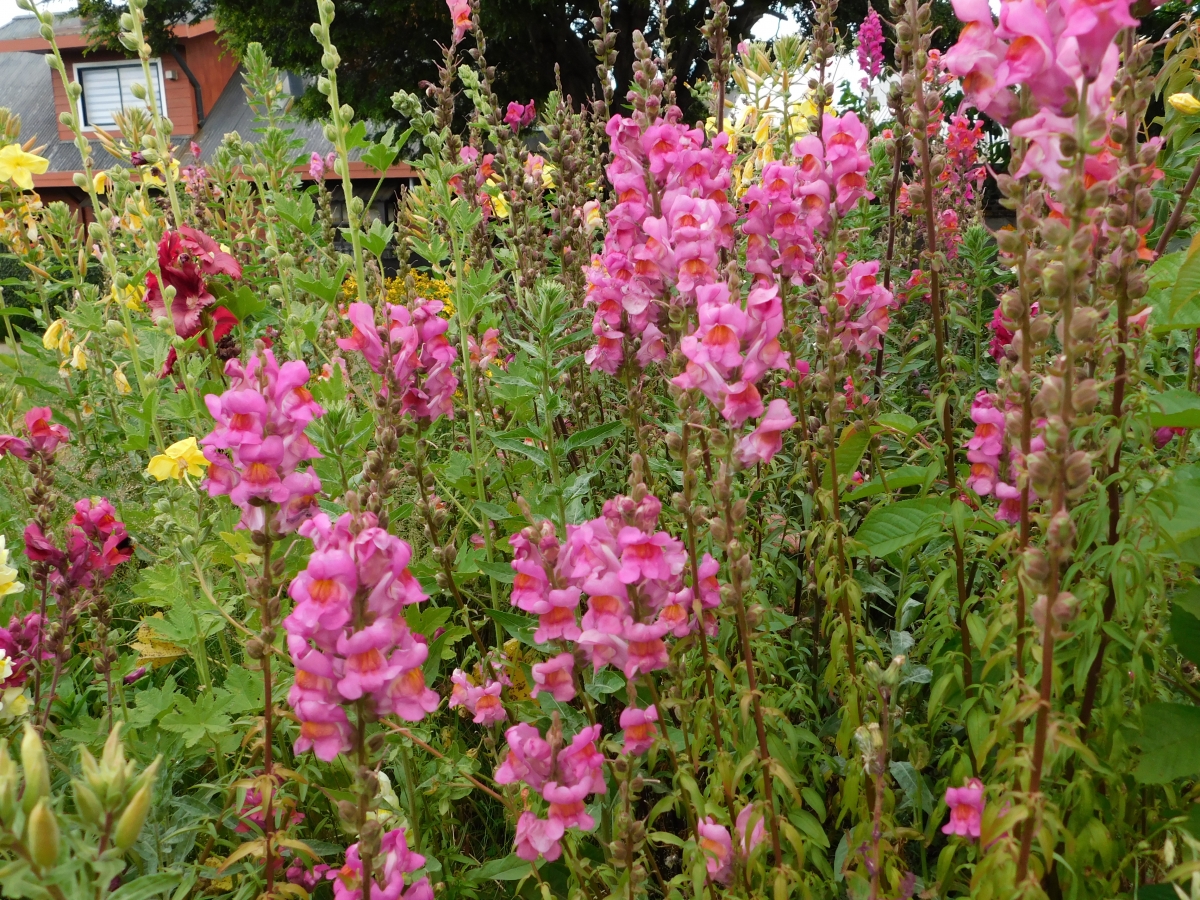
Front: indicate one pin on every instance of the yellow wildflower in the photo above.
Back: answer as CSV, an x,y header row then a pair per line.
x,y
1185,103
57,336
500,205
100,182
123,386
763,132
79,358
133,296
8,577
181,458
548,171
19,167
153,178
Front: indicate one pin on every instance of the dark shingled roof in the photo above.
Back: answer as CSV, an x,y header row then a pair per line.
x,y
27,26
28,91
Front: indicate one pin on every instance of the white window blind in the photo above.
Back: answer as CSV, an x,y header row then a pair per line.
x,y
109,89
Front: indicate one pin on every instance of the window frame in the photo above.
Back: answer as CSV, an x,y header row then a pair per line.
x,y
160,86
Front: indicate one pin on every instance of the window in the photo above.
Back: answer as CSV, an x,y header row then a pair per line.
x,y
108,88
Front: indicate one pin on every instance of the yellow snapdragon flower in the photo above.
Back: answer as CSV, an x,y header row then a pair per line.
x,y
19,167
181,458
58,336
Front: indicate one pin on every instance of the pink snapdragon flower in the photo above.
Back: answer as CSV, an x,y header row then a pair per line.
x,y
639,729
421,355
42,437
518,115
258,443
985,446
966,809
186,258
717,847
766,439
353,561
555,677
482,701
460,16
389,872
747,842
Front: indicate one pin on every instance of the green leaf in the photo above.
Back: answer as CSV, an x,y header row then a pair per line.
x,y
1187,283
807,822
378,237
850,450
147,886
901,477
590,437
494,511
380,156
901,422
511,868
605,682
514,442
327,287
894,526
1170,743
245,303
502,572
1177,409
519,627
196,721
916,792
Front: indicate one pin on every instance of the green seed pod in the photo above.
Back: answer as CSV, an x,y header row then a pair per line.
x,y
130,824
37,772
42,835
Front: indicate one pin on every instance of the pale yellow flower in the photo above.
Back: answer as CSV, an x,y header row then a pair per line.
x,y
150,178
181,458
123,386
19,167
8,578
79,358
548,171
13,704
500,205
763,132
100,182
55,335
1185,103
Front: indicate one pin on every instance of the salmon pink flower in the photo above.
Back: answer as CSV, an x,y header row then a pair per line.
x,y
528,758
538,838
460,16
558,622
324,729
747,842
717,847
639,729
766,440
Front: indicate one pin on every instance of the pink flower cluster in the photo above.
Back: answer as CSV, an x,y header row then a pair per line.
x,y
258,444
420,353
964,173
1055,49
347,635
481,701
670,168
564,776
631,575
718,846
868,305
319,167
870,45
97,543
389,872
21,642
984,451
42,437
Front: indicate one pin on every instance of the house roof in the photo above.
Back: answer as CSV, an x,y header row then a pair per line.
x,y
23,33
28,91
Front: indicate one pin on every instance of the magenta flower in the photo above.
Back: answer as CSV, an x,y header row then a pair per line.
x,y
366,666
985,446
870,44
566,805
966,809
186,257
556,677
528,758
518,115
766,439
645,556
639,729
316,167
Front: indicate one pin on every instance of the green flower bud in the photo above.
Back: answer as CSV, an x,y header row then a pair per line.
x,y
9,781
37,772
42,835
88,804
131,821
